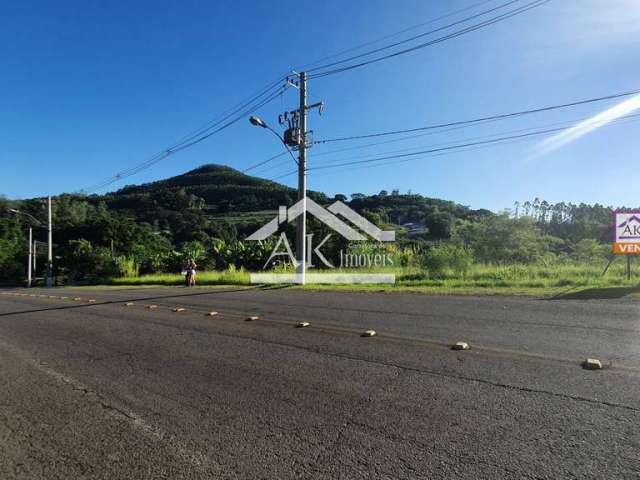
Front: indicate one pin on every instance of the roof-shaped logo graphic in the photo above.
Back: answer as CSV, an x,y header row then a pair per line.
x,y
633,219
330,217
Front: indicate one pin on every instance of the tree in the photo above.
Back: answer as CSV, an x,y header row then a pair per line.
x,y
501,239
12,250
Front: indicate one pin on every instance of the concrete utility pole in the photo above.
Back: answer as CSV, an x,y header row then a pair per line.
x,y
301,230
29,260
296,136
50,246
31,243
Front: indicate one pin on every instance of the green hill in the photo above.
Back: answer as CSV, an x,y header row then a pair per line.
x,y
216,188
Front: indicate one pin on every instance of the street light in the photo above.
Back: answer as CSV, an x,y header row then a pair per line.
x,y
31,254
49,280
258,122
301,234
18,212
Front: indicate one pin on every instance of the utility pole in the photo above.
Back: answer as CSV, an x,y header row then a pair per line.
x,y
301,230
31,255
296,137
29,260
50,246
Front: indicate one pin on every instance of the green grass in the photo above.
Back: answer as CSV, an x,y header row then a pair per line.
x,y
562,280
257,217
227,277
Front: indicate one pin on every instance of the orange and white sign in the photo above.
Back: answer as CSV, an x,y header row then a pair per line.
x,y
626,233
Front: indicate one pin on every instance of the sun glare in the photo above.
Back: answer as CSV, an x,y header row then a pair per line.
x,y
587,126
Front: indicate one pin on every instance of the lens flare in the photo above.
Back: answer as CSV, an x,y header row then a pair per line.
x,y
589,125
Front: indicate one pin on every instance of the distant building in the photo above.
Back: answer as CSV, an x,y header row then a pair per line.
x,y
415,229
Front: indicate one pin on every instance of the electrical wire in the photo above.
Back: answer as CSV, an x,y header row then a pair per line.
x,y
415,37
484,119
501,17
215,126
441,128
264,162
441,149
565,124
472,28
190,141
468,145
392,35
237,113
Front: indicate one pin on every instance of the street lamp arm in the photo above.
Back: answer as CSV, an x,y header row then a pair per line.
x,y
283,142
18,212
258,122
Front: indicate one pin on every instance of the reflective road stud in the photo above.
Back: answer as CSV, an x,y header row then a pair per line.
x,y
592,364
92,300
302,324
368,333
128,304
76,299
178,309
460,346
212,314
151,307
252,318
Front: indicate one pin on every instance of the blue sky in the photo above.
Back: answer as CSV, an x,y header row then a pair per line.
x,y
90,88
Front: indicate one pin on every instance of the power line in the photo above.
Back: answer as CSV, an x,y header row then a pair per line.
x,y
366,145
264,162
441,149
415,37
485,23
443,127
467,19
468,145
391,35
215,126
188,142
241,110
483,119
565,124
207,131
212,124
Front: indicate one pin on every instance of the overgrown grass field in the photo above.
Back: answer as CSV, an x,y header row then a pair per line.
x,y
568,279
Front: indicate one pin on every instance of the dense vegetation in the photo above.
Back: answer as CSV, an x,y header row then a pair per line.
x,y
207,212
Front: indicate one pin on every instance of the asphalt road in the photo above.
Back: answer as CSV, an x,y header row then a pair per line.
x,y
103,390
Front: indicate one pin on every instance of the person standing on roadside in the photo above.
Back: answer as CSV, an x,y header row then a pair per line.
x,y
191,273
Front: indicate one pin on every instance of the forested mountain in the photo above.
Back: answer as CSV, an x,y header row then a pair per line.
x,y
216,188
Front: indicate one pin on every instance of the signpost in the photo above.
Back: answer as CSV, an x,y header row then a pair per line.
x,y
626,236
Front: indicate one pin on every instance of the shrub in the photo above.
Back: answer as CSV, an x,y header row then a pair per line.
x,y
127,267
501,239
589,250
438,260
86,261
